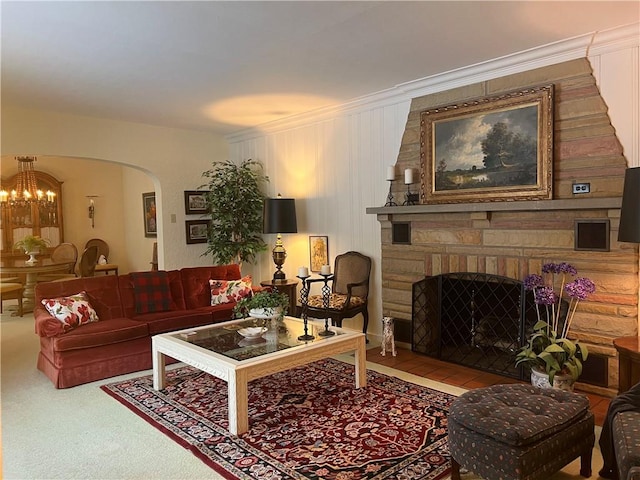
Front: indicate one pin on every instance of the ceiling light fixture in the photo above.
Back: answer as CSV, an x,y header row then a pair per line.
x,y
26,191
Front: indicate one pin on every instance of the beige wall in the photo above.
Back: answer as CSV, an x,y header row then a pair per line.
x,y
168,161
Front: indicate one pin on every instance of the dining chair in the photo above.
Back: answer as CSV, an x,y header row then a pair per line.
x,y
349,291
64,252
11,290
103,247
85,267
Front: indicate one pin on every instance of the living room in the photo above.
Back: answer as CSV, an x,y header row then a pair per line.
x,y
332,160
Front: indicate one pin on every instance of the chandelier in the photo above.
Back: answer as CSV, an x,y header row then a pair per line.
x,y
26,191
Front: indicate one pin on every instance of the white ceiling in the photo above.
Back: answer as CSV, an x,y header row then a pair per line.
x,y
223,66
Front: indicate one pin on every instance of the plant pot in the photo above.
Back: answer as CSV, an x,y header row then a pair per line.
x,y
270,312
540,379
32,258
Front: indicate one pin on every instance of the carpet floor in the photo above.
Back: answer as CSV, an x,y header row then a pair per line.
x,y
306,423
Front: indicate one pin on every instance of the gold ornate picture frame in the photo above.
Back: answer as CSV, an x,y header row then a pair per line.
x,y
490,149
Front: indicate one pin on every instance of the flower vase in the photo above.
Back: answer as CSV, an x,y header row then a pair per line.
x,y
32,258
265,313
540,379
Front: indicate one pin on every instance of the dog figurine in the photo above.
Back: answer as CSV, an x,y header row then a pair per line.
x,y
387,336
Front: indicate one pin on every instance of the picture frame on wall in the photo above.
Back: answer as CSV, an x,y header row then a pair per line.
x,y
195,202
149,214
318,252
497,148
197,231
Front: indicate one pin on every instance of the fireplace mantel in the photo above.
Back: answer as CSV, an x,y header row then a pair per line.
x,y
516,206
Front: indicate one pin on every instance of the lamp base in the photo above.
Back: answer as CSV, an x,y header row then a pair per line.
x,y
279,275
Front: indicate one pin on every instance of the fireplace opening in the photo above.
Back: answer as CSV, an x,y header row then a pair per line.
x,y
473,319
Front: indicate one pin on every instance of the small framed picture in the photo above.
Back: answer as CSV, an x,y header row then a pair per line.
x,y
197,231
318,252
149,212
194,202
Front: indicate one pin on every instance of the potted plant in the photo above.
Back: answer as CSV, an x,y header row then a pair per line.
x,y
554,359
31,245
235,199
263,304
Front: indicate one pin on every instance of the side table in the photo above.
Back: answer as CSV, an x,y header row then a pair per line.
x,y
628,362
288,286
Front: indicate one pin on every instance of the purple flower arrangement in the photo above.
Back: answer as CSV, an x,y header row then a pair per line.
x,y
548,348
545,293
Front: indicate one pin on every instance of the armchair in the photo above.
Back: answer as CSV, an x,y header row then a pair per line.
x,y
349,291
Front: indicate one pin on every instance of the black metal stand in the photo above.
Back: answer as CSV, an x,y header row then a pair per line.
x,y
304,300
390,201
410,198
326,292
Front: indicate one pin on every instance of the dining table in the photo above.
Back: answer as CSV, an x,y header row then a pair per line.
x,y
18,266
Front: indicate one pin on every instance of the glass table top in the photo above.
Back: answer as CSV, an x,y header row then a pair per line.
x,y
272,336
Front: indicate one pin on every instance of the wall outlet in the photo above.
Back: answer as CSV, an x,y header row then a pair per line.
x,y
581,188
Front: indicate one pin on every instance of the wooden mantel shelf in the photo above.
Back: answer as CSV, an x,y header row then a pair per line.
x,y
517,206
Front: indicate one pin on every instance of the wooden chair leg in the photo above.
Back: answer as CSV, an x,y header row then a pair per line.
x,y
20,309
455,470
585,463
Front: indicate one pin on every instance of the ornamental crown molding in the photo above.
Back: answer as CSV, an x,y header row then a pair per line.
x,y
586,45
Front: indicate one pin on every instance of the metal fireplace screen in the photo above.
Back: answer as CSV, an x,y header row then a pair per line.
x,y
472,319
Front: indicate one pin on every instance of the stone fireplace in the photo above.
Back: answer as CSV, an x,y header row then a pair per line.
x,y
514,238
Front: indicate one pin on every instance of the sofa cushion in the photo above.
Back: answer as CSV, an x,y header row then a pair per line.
x,y
102,290
195,282
162,322
71,311
128,295
626,435
226,291
97,334
152,291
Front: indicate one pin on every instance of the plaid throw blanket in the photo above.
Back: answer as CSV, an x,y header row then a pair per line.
x,y
151,291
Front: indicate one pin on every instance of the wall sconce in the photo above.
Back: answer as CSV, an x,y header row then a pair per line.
x,y
92,210
279,216
629,230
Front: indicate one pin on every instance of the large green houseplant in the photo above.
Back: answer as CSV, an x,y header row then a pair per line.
x,y
234,198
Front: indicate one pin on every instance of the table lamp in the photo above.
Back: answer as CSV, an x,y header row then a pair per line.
x,y
279,216
629,230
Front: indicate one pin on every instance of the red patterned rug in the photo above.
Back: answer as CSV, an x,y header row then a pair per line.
x,y
305,423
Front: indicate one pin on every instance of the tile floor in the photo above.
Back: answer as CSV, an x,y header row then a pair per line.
x,y
461,376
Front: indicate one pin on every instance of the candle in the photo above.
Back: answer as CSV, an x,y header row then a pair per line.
x,y
391,173
325,270
408,176
303,272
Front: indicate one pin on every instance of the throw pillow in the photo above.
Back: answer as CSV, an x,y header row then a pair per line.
x,y
226,291
152,291
71,311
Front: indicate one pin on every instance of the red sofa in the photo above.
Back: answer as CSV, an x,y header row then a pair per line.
x,y
120,342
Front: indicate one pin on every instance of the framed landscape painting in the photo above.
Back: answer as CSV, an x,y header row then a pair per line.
x,y
149,212
194,202
197,231
490,149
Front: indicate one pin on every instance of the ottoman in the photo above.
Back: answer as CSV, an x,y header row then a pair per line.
x,y
520,432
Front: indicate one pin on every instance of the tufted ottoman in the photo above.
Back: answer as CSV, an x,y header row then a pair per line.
x,y
519,432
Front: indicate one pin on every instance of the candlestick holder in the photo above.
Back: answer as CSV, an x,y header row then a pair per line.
x,y
390,200
410,198
304,300
326,292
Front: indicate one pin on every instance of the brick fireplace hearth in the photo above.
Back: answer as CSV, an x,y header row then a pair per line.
x,y
513,239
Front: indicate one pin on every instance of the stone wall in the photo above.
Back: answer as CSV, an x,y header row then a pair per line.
x,y
517,242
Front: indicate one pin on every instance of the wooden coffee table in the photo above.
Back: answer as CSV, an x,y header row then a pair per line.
x,y
222,352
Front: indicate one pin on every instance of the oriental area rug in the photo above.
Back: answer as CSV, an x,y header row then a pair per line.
x,y
306,423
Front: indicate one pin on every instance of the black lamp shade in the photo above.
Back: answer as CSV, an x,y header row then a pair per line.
x,y
279,215
629,230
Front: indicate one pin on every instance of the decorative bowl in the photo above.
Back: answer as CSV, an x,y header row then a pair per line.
x,y
252,332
